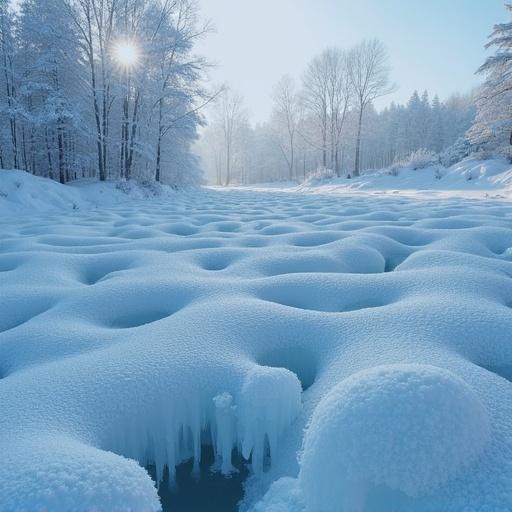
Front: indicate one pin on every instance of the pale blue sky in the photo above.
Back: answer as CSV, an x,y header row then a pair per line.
x,y
433,44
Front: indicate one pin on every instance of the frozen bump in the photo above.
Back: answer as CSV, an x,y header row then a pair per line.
x,y
408,428
60,474
270,400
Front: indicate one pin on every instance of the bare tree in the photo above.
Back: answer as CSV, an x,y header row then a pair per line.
x,y
231,117
315,95
369,76
339,94
7,58
94,20
327,95
286,118
174,36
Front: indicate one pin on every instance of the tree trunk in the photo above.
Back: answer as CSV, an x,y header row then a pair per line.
x,y
358,143
292,157
228,159
60,142
159,140
324,148
337,161
105,129
49,154
135,117
24,148
124,138
7,65
97,115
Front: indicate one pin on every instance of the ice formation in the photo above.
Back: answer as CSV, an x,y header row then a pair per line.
x,y
175,429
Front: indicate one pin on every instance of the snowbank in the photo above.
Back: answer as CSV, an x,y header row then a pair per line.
x,y
469,178
22,193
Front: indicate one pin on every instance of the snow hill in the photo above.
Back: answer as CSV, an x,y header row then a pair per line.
x,y
355,351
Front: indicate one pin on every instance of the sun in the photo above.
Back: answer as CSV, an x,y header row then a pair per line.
x,y
126,53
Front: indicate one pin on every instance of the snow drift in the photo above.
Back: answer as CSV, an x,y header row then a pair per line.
x,y
369,335
23,193
469,178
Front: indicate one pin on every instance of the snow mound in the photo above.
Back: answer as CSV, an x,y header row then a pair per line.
x,y
91,479
407,427
23,193
20,192
284,495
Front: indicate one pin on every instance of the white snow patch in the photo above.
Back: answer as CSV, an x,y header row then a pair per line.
x,y
23,193
406,427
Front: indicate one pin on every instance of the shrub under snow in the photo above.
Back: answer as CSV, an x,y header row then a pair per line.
x,y
320,174
456,152
419,159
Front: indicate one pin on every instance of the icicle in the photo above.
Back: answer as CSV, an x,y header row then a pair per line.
x,y
195,430
167,434
270,400
224,419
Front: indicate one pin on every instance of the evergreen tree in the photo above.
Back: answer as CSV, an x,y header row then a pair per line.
x,y
436,127
493,124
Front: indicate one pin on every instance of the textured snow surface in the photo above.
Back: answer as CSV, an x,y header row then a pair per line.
x,y
405,427
140,332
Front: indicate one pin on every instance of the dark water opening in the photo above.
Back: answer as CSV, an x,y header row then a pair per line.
x,y
205,491
392,263
299,361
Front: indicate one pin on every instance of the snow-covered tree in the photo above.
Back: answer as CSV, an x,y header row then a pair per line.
x,y
436,136
493,123
285,119
229,128
11,80
369,76
72,104
327,94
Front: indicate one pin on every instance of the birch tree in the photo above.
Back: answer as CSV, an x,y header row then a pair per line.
x,y
369,76
286,115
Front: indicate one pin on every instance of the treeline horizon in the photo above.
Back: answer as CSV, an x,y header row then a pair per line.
x,y
261,151
71,108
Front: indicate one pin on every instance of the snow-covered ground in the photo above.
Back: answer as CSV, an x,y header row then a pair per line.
x,y
21,194
470,178
357,348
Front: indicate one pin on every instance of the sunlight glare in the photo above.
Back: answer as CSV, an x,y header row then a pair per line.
x,y
126,53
